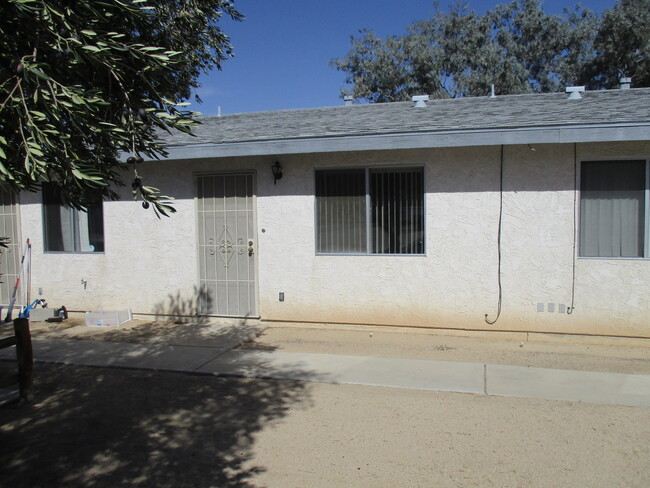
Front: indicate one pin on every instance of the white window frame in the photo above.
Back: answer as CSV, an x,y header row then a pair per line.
x,y
76,225
646,222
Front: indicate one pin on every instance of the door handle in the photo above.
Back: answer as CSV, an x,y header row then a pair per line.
x,y
250,248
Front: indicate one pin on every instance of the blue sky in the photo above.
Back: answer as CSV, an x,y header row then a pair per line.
x,y
283,48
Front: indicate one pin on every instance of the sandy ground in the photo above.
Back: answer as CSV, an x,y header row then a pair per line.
x,y
616,356
95,427
559,352
136,330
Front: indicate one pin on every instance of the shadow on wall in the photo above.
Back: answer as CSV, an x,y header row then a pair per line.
x,y
185,310
100,427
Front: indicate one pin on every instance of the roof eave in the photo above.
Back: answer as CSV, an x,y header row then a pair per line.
x,y
419,140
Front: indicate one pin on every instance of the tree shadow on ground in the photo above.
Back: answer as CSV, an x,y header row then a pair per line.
x,y
184,310
101,427
227,334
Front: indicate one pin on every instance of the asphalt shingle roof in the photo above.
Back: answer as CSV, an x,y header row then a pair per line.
x,y
460,114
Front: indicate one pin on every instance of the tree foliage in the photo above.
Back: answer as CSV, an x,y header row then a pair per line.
x,y
622,46
516,46
83,83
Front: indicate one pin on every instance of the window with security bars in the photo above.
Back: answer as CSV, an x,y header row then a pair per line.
x,y
370,211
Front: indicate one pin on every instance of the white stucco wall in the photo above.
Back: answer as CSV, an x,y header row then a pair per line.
x,y
150,264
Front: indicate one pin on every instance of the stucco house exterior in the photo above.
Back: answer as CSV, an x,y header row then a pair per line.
x,y
514,213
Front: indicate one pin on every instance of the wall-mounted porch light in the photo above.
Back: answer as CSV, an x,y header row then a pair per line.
x,y
277,172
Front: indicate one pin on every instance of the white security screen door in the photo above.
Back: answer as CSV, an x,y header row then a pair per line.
x,y
227,245
9,257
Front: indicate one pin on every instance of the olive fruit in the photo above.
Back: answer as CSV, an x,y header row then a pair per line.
x,y
145,205
139,160
130,160
20,68
137,183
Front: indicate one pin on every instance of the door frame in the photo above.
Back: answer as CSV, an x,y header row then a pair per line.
x,y
253,174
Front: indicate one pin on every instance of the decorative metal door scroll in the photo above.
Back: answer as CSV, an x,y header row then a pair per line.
x,y
225,246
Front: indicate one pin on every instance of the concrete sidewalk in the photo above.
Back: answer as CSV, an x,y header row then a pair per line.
x,y
196,355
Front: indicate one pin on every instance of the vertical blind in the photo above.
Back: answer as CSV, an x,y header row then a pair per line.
x,y
612,208
379,211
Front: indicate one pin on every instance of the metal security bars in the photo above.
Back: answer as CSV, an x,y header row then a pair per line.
x,y
397,209
9,256
341,211
227,245
370,211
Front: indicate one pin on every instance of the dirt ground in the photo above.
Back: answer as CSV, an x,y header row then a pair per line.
x,y
137,330
97,427
553,351
100,427
577,353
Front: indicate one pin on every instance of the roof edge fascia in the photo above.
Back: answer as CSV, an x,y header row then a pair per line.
x,y
418,140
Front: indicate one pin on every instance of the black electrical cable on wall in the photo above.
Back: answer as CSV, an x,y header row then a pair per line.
x,y
500,300
575,203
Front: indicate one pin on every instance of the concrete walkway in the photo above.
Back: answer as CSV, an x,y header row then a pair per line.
x,y
223,358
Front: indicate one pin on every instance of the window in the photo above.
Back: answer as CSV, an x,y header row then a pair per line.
x,y
613,218
370,211
68,229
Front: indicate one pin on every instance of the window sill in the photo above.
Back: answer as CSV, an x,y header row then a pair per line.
x,y
613,258
371,255
89,253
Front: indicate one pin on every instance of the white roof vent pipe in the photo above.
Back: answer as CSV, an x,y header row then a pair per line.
x,y
492,94
574,92
625,83
420,101
348,100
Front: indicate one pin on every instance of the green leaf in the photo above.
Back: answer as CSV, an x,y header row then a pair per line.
x,y
75,121
39,73
83,176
